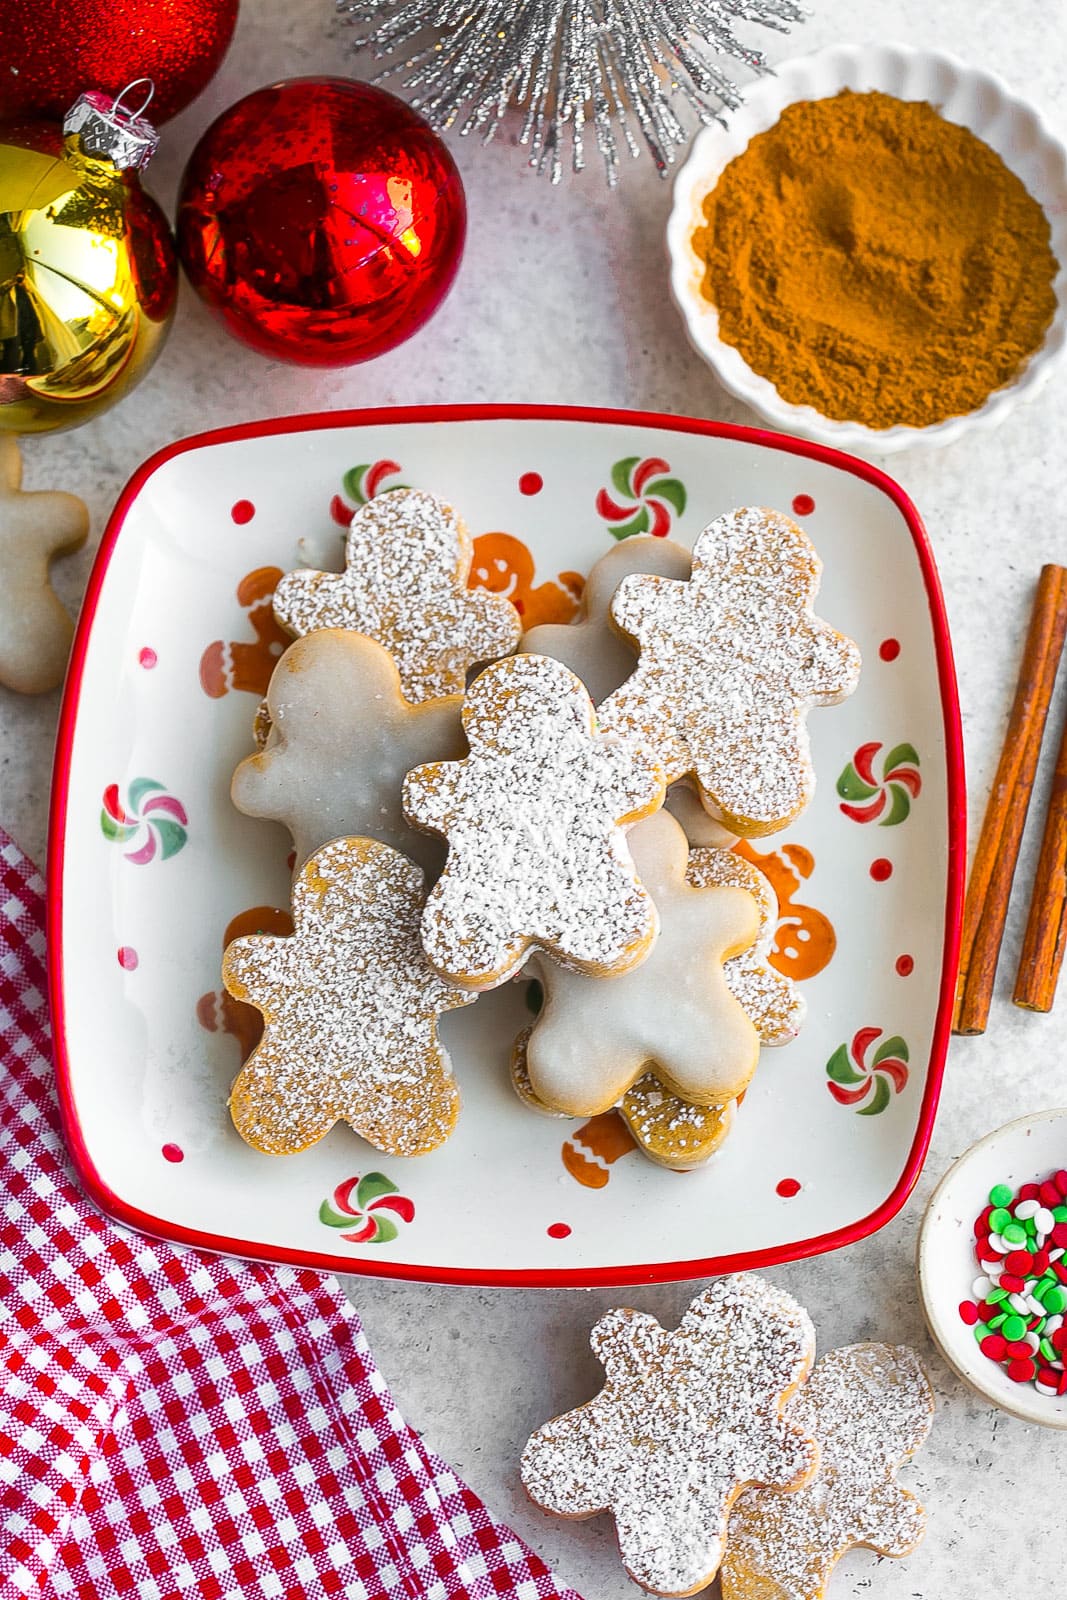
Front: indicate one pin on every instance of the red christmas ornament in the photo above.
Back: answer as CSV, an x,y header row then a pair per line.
x,y
322,220
51,50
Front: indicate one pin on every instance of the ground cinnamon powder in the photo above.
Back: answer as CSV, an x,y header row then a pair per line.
x,y
877,262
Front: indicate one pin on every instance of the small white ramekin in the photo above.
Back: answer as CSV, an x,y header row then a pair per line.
x,y
975,99
1026,1151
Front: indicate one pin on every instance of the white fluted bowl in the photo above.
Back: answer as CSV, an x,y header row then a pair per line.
x,y
977,100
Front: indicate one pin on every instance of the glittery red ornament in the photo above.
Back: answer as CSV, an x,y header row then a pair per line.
x,y
322,220
50,50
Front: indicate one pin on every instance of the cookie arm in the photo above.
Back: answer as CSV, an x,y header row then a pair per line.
x,y
892,1522
563,1466
429,795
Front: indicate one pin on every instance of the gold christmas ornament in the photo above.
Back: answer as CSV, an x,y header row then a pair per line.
x,y
88,274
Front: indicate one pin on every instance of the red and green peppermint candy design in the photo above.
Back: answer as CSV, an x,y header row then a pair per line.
x,y
361,484
150,822
868,1085
359,1206
885,798
647,498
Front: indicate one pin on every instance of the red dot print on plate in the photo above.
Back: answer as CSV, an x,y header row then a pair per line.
x,y
559,1230
787,1188
128,958
881,869
531,483
242,511
147,658
173,1152
905,966
803,505
889,649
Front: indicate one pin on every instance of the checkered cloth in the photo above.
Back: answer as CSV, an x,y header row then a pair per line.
x,y
179,1424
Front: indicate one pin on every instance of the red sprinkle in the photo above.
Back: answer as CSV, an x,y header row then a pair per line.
x,y
1012,1282
1060,1180
985,1252
1021,1371
1059,1235
1019,1350
1019,1262
1029,1191
1049,1195
1061,1387
1060,1270
969,1312
982,1229
994,1346
987,1310
1058,1340
1041,1262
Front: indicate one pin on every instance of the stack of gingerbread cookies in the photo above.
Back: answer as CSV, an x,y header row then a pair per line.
x,y
566,811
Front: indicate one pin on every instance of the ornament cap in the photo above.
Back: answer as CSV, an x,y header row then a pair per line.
x,y
105,127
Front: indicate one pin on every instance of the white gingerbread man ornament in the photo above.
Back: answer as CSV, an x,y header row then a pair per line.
x,y
730,663
35,630
534,819
684,1422
408,558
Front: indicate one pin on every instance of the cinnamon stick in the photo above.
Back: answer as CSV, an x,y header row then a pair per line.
x,y
995,859
1046,926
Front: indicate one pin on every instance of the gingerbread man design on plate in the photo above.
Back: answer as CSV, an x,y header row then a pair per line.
x,y
534,820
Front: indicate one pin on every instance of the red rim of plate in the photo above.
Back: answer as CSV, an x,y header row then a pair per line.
x,y
573,1277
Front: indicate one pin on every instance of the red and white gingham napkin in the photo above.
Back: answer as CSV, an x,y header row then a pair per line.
x,y
179,1424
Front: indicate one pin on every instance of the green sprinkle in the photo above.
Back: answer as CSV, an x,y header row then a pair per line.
x,y
998,1321
1000,1220
1030,1225
1055,1300
1014,1233
1060,1213
995,1296
980,1331
1048,1350
1001,1195
1014,1328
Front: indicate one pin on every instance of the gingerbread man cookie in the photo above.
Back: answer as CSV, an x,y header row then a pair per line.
x,y
35,630
534,820
595,1038
341,739
869,1407
684,1422
589,645
408,558
350,1012
729,665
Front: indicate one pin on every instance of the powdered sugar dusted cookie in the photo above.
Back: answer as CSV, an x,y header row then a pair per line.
x,y
35,630
342,737
350,1012
673,1014
684,1422
869,1407
534,820
408,557
730,663
589,645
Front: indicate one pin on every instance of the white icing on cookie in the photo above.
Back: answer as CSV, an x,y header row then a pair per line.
x,y
685,1420
673,1014
588,644
534,820
342,737
684,805
350,1012
869,1407
729,664
408,558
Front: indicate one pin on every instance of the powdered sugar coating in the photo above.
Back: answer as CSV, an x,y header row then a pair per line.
x,y
350,1012
685,1420
730,662
408,557
342,737
869,1407
673,1014
588,644
770,999
533,816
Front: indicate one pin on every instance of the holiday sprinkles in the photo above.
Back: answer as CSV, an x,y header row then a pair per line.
x,y
1020,1295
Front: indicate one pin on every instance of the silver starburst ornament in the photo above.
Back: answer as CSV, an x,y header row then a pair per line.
x,y
627,67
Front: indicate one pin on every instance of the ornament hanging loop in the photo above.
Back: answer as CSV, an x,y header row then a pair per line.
x,y
104,128
119,111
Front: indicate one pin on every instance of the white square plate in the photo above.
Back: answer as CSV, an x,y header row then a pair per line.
x,y
150,862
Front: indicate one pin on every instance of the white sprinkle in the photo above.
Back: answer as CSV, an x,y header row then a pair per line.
x,y
1027,1208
